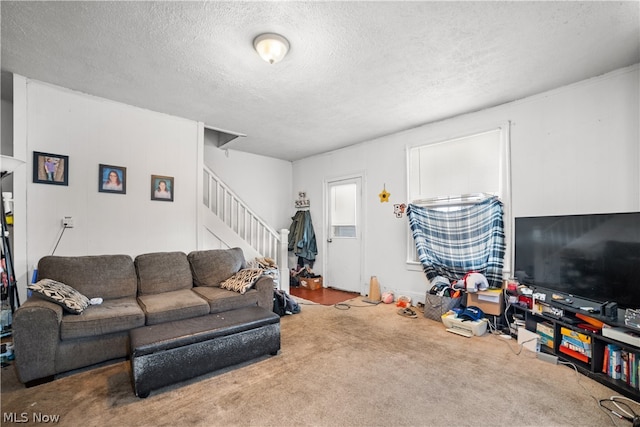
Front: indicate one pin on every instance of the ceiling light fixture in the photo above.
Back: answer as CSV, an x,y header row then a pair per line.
x,y
271,47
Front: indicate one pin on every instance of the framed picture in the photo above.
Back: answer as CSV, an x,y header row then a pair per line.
x,y
50,168
112,179
162,188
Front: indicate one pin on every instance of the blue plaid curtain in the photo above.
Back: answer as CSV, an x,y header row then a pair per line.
x,y
451,244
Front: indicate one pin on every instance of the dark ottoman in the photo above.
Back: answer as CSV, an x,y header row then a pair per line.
x,y
172,352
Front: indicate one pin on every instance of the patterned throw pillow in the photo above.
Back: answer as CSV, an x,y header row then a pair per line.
x,y
61,294
242,280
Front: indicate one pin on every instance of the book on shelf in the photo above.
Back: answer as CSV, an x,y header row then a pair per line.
x,y
576,342
621,365
633,363
576,355
545,339
575,334
615,363
577,348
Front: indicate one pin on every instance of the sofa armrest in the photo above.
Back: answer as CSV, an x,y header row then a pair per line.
x,y
36,334
265,285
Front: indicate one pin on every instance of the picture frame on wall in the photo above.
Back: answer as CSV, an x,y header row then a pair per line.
x,y
112,179
162,188
50,168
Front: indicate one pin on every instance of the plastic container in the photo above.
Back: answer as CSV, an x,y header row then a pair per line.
x,y
477,327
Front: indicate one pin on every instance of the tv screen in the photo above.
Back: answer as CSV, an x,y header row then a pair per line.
x,y
595,256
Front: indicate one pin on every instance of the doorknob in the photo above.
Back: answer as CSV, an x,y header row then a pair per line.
x,y
329,240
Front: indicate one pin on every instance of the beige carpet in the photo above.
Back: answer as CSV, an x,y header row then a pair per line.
x,y
362,365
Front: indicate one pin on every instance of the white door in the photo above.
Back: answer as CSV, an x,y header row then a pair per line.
x,y
344,237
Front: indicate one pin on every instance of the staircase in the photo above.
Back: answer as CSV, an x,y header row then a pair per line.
x,y
232,223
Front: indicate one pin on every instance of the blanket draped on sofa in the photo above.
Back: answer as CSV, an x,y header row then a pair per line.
x,y
452,243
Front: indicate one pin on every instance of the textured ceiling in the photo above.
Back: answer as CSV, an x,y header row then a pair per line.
x,y
356,70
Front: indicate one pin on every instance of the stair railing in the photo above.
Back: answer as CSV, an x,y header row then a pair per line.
x,y
227,206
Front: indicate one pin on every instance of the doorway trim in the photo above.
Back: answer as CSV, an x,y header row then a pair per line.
x,y
363,287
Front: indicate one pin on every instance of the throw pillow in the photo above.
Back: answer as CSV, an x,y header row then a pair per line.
x,y
64,295
242,280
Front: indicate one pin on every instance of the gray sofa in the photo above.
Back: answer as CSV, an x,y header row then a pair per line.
x,y
151,289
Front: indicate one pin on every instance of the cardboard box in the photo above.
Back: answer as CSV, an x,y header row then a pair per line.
x,y
490,301
312,283
529,340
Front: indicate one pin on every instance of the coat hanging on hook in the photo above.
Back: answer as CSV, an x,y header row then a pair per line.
x,y
302,237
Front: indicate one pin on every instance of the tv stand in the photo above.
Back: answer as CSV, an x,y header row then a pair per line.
x,y
572,341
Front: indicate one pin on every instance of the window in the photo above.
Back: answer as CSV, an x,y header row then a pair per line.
x,y
343,210
443,173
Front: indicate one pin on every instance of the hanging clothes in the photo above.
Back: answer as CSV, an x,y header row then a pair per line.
x,y
450,244
302,238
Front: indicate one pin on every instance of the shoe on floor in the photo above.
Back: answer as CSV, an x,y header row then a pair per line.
x,y
407,312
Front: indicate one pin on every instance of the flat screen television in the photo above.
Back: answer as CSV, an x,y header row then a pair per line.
x,y
593,256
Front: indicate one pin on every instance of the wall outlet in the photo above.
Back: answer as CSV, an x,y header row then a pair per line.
x,y
67,222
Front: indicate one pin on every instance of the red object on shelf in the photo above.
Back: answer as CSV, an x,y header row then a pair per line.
x,y
588,327
526,300
590,320
574,354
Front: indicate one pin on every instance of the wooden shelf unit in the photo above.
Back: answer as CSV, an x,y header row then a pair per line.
x,y
592,366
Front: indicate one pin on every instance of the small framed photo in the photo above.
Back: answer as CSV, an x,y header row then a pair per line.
x,y
112,179
50,168
162,188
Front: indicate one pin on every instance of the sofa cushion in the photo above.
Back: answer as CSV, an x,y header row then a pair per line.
x,y
242,280
174,305
114,315
220,299
163,272
63,295
102,276
211,267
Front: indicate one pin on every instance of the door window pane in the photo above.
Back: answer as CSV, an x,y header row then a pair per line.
x,y
343,210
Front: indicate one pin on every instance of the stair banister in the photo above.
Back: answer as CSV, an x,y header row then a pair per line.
x,y
226,205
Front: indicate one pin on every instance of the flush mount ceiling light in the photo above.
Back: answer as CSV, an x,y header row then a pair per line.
x,y
271,47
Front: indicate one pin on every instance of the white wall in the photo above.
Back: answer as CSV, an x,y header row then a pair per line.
x,y
6,144
93,131
577,149
6,138
574,150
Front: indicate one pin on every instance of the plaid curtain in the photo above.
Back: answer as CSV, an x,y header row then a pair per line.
x,y
451,244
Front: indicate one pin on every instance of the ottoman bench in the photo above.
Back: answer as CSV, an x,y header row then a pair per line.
x,y
172,352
